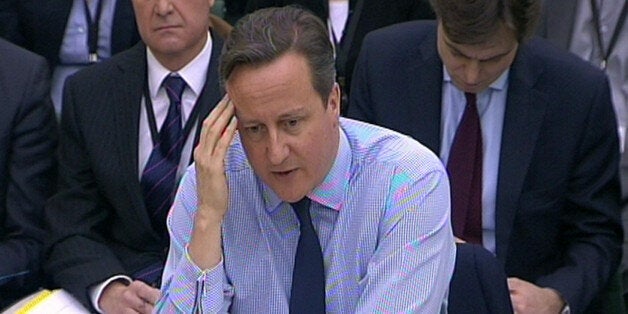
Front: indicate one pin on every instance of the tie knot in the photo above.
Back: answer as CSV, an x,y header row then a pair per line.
x,y
174,86
471,99
302,209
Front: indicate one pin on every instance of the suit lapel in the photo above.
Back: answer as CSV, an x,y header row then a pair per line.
x,y
59,13
52,21
343,47
126,97
525,110
124,32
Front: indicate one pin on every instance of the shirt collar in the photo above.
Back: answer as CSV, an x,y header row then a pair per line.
x,y
194,73
332,191
498,84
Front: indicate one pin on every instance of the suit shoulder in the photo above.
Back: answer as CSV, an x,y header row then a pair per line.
x,y
375,146
24,75
15,59
132,58
561,63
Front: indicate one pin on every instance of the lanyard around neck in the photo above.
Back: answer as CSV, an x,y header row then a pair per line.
x,y
152,123
605,53
92,29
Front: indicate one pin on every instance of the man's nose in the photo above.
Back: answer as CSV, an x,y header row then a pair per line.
x,y
277,150
472,72
163,7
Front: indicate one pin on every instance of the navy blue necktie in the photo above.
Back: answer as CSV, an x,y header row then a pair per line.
x,y
308,277
159,177
465,175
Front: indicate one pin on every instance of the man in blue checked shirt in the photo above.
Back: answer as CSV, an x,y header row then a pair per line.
x,y
376,201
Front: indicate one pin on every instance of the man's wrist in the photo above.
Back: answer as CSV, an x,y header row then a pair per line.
x,y
564,306
96,291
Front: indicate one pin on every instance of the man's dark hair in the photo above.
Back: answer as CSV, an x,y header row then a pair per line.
x,y
475,21
267,34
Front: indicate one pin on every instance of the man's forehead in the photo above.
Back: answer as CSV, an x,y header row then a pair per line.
x,y
498,43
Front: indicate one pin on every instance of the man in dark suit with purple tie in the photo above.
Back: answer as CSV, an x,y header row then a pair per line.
x,y
108,242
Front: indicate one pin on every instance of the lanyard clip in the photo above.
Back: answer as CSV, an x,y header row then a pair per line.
x,y
93,57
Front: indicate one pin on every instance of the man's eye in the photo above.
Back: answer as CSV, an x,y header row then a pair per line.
x,y
292,123
253,129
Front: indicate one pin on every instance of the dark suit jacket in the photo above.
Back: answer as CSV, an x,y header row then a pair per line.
x,y
27,143
99,224
557,210
364,17
557,25
40,26
557,22
478,284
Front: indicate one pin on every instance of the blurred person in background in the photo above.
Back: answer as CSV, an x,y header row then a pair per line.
x,y
28,138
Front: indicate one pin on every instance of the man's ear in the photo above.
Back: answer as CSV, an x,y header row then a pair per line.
x,y
333,101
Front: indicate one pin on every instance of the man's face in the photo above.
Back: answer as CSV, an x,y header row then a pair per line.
x,y
474,67
173,29
289,135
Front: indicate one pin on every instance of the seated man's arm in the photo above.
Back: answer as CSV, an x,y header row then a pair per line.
x,y
414,260
592,231
31,141
194,274
78,253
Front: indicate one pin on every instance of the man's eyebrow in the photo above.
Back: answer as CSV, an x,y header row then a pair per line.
x,y
292,113
452,47
286,115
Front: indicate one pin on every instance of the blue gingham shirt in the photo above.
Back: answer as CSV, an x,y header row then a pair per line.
x,y
382,215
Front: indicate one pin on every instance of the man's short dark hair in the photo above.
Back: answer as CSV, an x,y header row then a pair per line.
x,y
265,35
475,21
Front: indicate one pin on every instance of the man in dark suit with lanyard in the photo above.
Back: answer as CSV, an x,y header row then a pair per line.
x,y
527,133
128,127
70,34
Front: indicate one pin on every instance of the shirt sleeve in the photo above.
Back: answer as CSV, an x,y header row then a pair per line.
x,y
185,287
414,260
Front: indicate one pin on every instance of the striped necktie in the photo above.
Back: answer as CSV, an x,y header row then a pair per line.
x,y
159,177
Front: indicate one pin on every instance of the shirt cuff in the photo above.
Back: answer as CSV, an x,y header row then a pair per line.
x,y
566,309
96,290
193,288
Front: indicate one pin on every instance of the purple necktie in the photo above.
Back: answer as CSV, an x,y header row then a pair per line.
x,y
159,177
307,294
465,175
